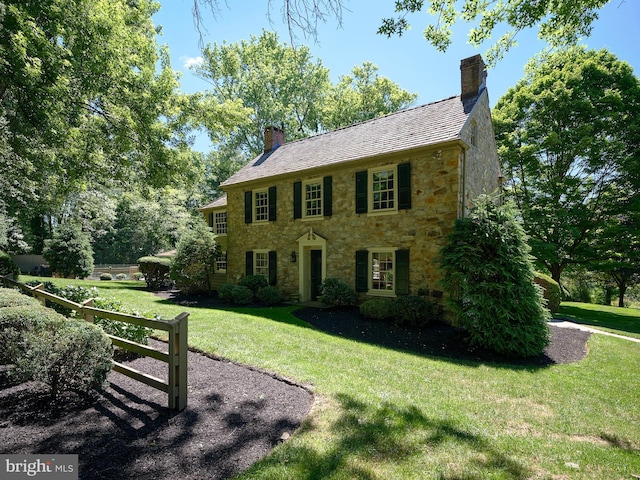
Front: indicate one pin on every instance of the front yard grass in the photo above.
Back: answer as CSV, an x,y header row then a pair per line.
x,y
388,414
623,321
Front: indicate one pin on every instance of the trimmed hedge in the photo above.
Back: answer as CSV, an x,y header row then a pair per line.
x,y
269,296
10,297
336,293
15,321
376,309
551,291
155,271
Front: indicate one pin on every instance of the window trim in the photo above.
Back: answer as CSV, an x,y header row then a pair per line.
x,y
370,193
216,223
370,272
254,205
217,262
255,264
305,183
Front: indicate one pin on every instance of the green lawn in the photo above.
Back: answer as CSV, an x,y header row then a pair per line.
x,y
387,414
623,321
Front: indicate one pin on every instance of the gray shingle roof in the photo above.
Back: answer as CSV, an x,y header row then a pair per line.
x,y
421,126
218,202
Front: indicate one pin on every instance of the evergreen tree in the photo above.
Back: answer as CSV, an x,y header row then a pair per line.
x,y
489,274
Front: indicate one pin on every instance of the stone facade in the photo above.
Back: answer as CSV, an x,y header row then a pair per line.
x,y
456,162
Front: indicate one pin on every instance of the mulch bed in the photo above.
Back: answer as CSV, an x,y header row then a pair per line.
x,y
235,414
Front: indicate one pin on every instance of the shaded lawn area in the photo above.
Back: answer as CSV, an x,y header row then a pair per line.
x,y
623,321
387,412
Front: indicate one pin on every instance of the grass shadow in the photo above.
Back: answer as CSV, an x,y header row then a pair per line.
x,y
602,316
366,439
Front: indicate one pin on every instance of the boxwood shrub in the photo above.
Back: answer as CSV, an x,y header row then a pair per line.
x,y
10,297
270,295
155,271
336,293
254,283
376,309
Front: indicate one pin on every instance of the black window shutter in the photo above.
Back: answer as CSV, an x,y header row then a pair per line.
x,y
404,186
211,219
402,272
248,211
327,194
272,204
361,192
362,271
248,263
272,267
297,199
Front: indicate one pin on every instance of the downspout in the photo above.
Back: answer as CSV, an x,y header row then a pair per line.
x,y
463,184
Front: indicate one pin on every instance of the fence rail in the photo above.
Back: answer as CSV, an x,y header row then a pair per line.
x,y
176,385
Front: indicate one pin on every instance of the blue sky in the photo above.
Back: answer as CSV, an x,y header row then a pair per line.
x,y
409,61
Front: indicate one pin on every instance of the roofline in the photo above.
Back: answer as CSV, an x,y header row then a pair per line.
x,y
320,169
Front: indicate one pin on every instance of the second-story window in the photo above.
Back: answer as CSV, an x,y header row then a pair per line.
x,y
313,199
261,206
383,190
220,223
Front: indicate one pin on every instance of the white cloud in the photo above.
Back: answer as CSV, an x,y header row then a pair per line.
x,y
190,62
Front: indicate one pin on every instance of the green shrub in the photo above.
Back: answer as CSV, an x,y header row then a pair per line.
x,y
69,252
7,266
241,295
254,283
193,266
121,276
270,295
155,271
414,311
66,355
73,293
376,309
488,272
106,276
225,292
15,321
138,276
551,291
128,331
10,297
336,293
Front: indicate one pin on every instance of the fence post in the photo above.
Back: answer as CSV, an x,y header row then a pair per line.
x,y
178,361
40,288
88,317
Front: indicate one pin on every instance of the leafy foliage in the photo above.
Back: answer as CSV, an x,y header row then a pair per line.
x,y
254,283
269,295
193,265
10,297
8,266
65,354
488,272
550,291
16,318
69,252
155,271
376,309
336,293
568,136
414,311
241,295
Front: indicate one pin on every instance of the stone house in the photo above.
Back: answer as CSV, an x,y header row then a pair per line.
x,y
371,203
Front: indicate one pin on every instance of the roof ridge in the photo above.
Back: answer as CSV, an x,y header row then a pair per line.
x,y
386,115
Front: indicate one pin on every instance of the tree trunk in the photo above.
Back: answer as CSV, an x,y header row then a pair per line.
x,y
623,289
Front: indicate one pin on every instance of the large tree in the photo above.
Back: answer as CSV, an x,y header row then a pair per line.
x,y
559,22
567,135
88,98
283,86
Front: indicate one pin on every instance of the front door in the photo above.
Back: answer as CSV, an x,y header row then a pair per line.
x,y
316,273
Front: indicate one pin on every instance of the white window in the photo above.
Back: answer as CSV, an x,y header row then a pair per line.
x,y
383,191
220,223
261,264
221,263
261,205
382,271
312,206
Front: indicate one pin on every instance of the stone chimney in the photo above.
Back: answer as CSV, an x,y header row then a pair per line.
x,y
473,76
273,137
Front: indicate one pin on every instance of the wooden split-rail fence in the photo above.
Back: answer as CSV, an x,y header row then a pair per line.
x,y
176,358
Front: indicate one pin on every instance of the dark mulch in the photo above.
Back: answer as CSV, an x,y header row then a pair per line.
x,y
235,414
441,340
